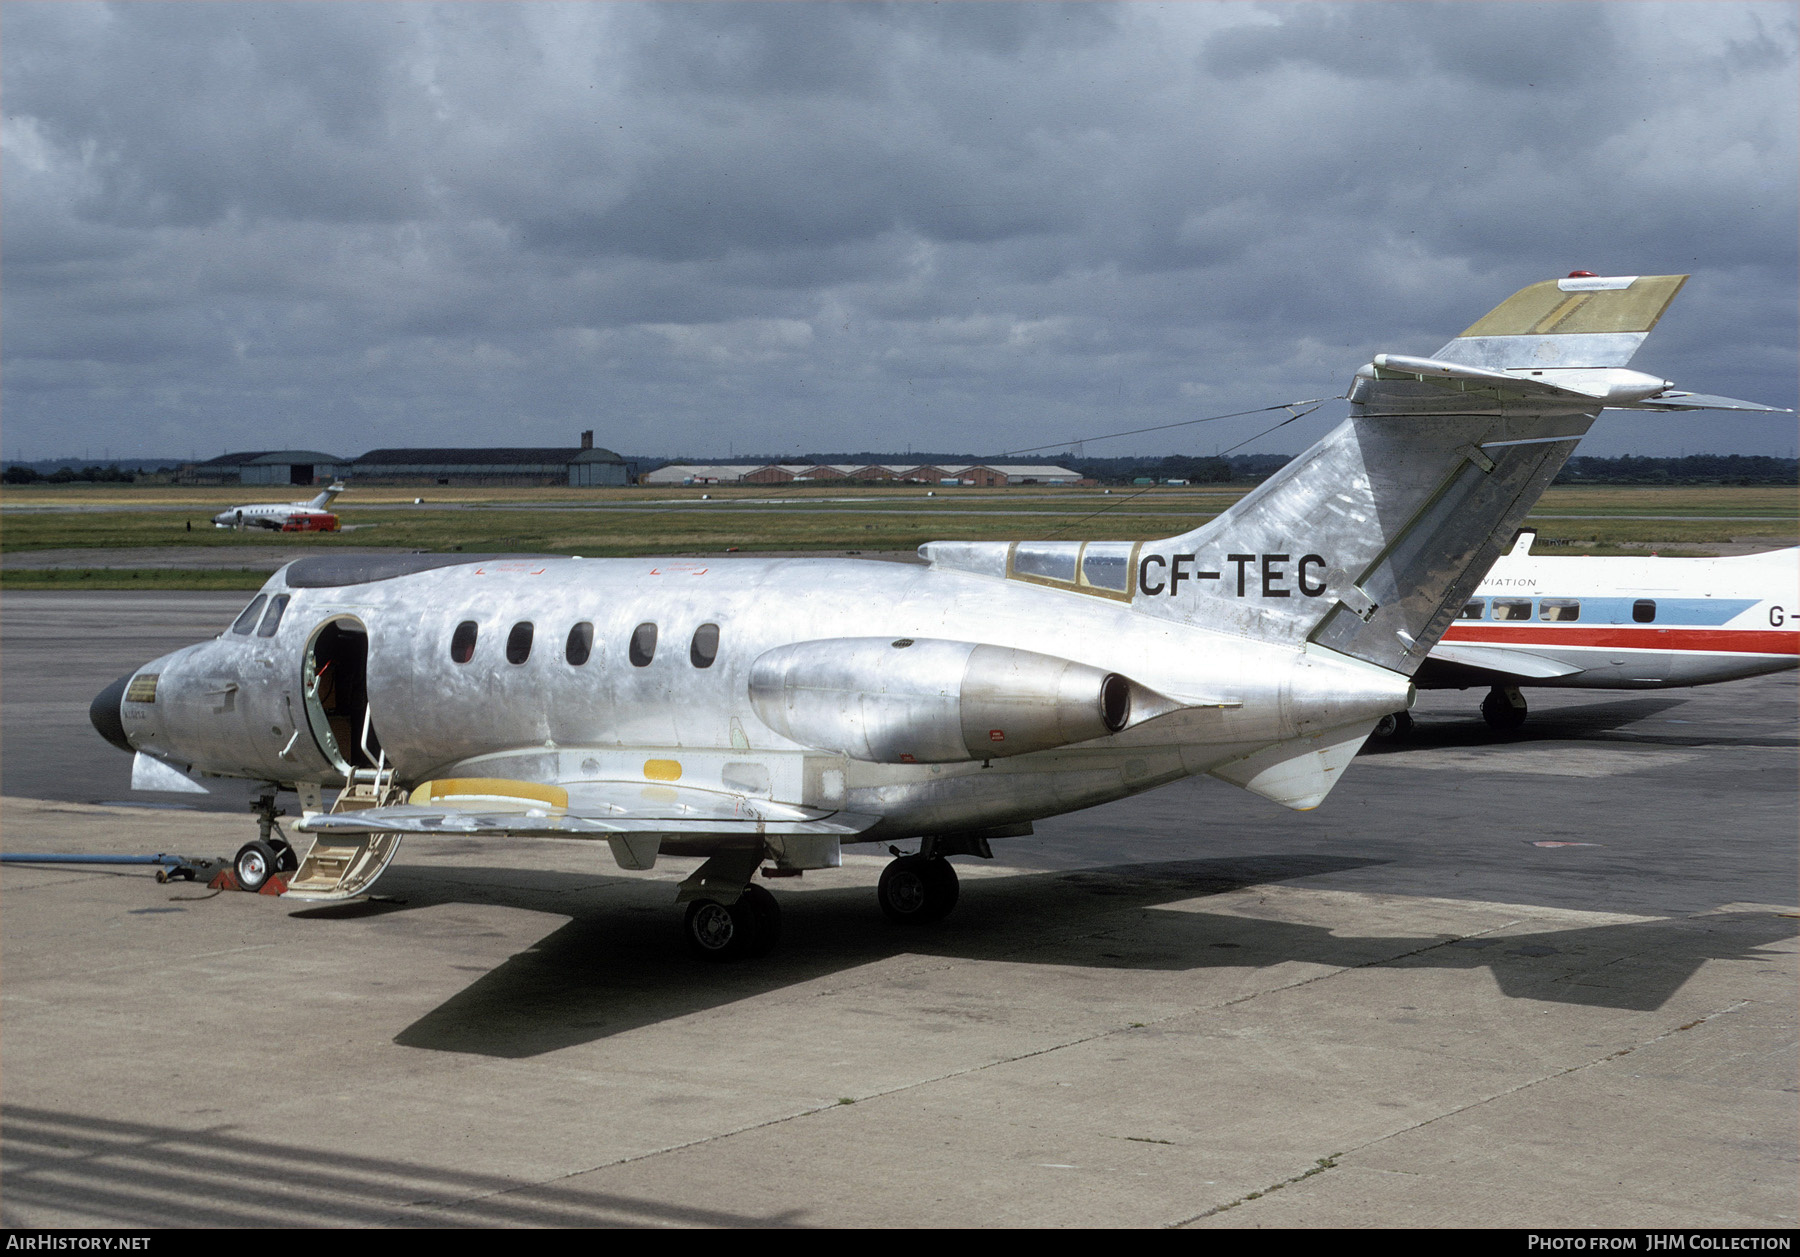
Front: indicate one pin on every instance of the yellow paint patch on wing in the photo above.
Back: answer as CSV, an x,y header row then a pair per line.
x,y
489,788
662,769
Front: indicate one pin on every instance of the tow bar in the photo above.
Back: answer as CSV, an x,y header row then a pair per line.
x,y
169,867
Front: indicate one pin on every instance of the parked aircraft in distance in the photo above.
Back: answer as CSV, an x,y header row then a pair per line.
x,y
309,516
1614,623
762,713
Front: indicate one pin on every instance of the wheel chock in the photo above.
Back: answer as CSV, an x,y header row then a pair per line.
x,y
225,879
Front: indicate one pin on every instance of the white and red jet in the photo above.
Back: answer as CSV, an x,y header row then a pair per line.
x,y
1616,623
309,516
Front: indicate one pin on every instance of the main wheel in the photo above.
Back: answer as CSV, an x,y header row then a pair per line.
x,y
914,888
722,932
255,863
767,911
1393,727
1503,708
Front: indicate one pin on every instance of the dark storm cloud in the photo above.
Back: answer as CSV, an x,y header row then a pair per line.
x,y
785,227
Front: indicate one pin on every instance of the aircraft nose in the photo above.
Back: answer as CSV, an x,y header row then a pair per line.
x,y
104,712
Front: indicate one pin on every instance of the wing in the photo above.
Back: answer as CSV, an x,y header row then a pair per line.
x,y
637,820
1506,659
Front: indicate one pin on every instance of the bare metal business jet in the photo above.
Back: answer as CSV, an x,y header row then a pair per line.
x,y
763,713
309,516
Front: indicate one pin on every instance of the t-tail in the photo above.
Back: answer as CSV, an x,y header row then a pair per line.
x,y
324,499
1369,542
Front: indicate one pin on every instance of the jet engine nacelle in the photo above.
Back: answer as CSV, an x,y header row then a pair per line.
x,y
926,701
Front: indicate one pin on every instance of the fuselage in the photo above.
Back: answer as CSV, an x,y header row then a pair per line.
x,y
637,670
1637,623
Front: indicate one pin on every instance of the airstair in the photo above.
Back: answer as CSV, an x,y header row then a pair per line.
x,y
340,866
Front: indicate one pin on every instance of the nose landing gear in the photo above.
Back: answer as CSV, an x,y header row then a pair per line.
x,y
268,853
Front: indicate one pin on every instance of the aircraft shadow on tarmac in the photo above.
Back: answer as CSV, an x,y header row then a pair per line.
x,y
136,1173
1588,723
619,965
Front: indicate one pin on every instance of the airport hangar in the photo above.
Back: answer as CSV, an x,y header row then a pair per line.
x,y
583,466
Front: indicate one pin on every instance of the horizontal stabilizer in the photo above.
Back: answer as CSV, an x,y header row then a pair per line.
x,y
1674,399
1300,773
1519,663
1581,321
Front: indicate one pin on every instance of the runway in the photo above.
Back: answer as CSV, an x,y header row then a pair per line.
x,y
1539,980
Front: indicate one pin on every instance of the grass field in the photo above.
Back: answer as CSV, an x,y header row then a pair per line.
x,y
1577,520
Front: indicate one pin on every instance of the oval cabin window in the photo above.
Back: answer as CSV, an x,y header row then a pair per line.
x,y
518,642
462,642
705,647
643,645
580,644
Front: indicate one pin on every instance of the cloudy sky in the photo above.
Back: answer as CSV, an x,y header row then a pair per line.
x,y
780,229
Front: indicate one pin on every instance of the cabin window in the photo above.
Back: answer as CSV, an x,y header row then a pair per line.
x,y
247,620
1512,608
643,645
705,646
580,644
272,617
1644,610
518,642
1473,609
462,642
1559,609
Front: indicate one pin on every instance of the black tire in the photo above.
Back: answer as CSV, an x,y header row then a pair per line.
x,y
254,864
767,911
915,889
1501,712
720,932
285,859
1393,728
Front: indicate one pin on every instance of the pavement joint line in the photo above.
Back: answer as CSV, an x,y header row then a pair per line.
x,y
1331,1161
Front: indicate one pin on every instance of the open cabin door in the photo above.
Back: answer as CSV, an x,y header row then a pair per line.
x,y
335,681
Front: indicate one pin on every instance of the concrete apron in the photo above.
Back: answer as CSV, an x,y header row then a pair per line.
x,y
524,1041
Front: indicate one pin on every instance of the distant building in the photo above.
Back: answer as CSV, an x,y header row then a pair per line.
x,y
271,467
582,466
980,475
585,466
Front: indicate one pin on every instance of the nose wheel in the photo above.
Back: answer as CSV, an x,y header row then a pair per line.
x,y
917,888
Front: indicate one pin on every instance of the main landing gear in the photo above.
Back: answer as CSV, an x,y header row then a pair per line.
x,y
917,888
266,854
1504,708
748,926
730,917
1393,727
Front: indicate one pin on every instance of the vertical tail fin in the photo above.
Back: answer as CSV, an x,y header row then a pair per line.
x,y
1370,541
324,499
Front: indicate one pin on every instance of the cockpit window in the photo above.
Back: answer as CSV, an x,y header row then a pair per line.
x,y
272,617
643,645
580,644
462,642
1473,609
247,620
1048,560
518,642
1559,609
1107,565
705,647
1512,608
1644,611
